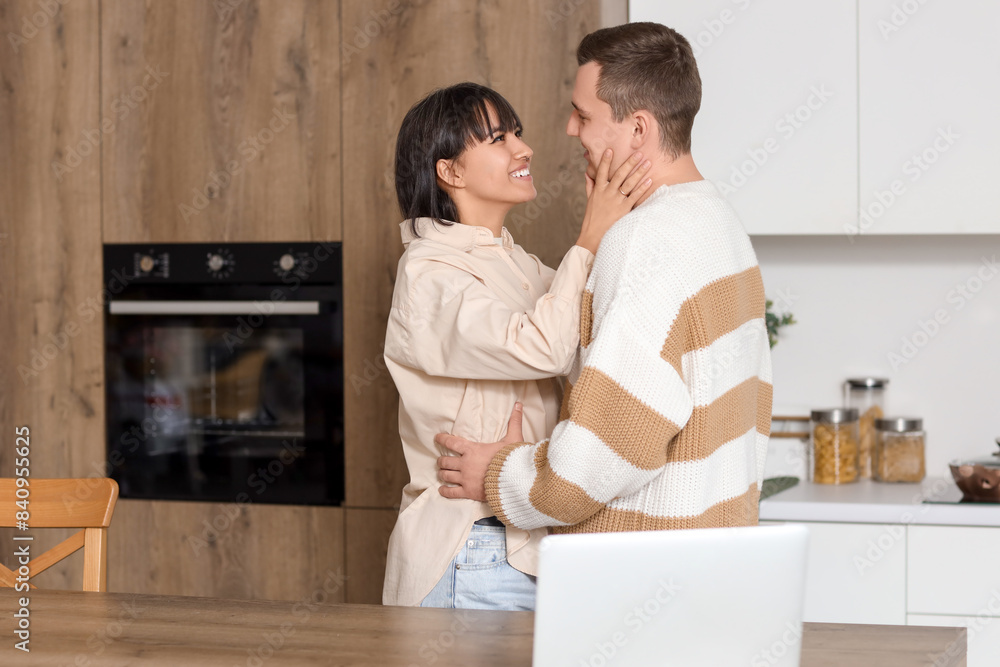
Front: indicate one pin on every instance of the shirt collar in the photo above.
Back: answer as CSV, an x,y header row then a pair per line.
x,y
456,235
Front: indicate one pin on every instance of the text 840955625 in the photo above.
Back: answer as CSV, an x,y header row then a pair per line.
x,y
22,543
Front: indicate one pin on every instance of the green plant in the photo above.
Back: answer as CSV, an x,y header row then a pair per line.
x,y
775,322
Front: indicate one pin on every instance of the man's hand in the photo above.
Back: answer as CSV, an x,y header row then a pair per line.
x,y
468,470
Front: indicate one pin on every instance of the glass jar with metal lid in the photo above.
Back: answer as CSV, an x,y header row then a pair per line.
x,y
833,450
899,450
868,396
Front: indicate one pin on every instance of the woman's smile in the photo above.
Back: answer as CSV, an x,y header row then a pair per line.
x,y
522,174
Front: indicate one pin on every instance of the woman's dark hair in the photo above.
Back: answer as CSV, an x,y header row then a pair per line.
x,y
440,127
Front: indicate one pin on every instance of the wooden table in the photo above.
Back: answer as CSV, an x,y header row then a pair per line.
x,y
112,629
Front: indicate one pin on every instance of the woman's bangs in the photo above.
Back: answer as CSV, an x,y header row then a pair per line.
x,y
477,125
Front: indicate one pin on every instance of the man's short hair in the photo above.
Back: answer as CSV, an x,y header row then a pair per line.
x,y
647,66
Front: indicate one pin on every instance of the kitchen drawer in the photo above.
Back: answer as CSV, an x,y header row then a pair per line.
x,y
953,570
983,638
856,573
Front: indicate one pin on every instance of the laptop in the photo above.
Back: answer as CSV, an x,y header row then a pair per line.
x,y
715,597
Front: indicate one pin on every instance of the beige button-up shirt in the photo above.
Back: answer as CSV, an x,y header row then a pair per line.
x,y
476,324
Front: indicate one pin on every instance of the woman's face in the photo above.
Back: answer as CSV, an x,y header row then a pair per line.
x,y
496,170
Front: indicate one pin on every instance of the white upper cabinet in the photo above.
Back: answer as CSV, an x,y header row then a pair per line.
x,y
847,117
778,124
929,102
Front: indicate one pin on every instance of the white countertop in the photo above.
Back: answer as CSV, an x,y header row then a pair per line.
x,y
866,501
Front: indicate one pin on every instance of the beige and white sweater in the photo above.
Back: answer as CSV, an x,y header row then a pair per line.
x,y
668,413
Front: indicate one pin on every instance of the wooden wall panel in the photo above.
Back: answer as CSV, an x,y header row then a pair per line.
x,y
550,224
221,69
274,552
224,120
367,541
394,54
51,374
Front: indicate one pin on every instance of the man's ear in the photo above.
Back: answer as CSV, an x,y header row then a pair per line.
x,y
644,128
449,173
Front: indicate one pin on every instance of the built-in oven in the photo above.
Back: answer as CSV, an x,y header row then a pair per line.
x,y
224,371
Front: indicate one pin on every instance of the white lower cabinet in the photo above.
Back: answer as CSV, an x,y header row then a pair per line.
x,y
953,579
983,638
856,573
905,574
953,570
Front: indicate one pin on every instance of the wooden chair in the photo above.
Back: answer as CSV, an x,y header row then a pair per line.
x,y
63,503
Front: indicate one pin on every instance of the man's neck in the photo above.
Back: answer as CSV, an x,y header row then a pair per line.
x,y
668,171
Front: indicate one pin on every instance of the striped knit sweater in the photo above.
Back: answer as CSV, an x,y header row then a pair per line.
x,y
668,409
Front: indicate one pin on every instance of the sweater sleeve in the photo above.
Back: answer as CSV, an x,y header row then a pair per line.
x,y
627,405
452,325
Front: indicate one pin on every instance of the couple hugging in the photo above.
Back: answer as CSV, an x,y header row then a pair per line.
x,y
655,317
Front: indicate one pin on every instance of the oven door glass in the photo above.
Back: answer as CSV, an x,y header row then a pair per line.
x,y
225,407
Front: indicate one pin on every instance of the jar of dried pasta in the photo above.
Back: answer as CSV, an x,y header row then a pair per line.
x,y
899,450
833,451
868,396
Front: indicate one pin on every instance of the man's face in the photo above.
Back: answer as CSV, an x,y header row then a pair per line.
x,y
593,123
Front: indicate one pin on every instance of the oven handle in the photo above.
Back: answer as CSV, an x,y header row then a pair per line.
x,y
214,308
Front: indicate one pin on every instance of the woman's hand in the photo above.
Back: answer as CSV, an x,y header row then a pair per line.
x,y
608,199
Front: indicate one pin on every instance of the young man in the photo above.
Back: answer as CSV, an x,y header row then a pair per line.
x,y
667,414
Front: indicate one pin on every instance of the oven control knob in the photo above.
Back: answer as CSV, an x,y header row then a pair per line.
x,y
287,262
216,262
146,263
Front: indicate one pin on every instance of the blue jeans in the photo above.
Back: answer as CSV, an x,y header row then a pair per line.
x,y
480,577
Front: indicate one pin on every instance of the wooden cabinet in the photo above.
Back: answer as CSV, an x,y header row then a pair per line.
x,y
367,538
929,90
777,129
526,51
391,59
51,367
229,550
220,121
856,573
129,121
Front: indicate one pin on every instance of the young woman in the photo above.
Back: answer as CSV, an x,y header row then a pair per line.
x,y
476,325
